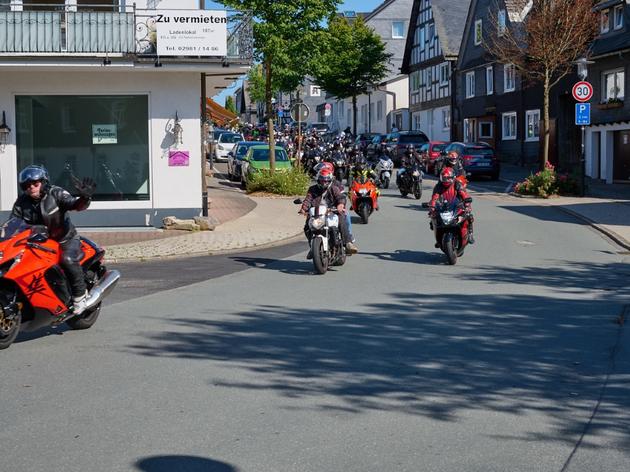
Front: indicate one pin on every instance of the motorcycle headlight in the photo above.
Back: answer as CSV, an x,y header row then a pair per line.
x,y
447,217
317,223
416,173
363,191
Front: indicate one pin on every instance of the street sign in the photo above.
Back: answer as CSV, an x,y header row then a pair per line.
x,y
583,114
300,112
582,91
280,113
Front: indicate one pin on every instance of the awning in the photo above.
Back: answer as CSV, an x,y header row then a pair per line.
x,y
218,114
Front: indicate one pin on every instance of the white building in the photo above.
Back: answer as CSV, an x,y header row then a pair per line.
x,y
85,93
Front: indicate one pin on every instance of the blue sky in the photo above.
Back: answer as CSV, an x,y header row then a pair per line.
x,y
348,5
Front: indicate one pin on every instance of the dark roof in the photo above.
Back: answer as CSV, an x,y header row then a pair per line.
x,y
450,22
610,43
379,9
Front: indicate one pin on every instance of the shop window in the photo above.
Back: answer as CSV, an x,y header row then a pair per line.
x,y
105,137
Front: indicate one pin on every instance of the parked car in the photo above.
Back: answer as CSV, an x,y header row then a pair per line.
x,y
235,158
225,143
430,152
320,127
364,139
398,141
478,159
373,148
257,159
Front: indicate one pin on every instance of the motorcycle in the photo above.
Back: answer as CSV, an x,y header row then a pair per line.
x,y
326,243
364,197
338,159
450,225
34,292
383,169
410,181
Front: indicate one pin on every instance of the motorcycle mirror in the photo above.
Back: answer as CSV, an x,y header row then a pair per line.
x,y
468,200
297,201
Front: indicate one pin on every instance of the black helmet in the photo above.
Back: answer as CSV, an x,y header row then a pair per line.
x,y
33,173
361,164
409,149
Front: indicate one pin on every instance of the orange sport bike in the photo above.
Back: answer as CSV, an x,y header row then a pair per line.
x,y
34,291
364,197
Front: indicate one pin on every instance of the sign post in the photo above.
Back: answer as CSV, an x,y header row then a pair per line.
x,y
583,92
299,111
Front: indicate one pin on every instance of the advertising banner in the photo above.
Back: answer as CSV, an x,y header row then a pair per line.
x,y
192,33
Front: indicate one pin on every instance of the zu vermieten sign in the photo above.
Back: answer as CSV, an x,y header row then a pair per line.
x,y
191,33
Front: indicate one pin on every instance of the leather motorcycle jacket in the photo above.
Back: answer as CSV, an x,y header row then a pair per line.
x,y
51,211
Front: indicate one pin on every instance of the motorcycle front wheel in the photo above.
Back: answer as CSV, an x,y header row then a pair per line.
x,y
9,329
364,213
386,182
449,246
417,190
320,259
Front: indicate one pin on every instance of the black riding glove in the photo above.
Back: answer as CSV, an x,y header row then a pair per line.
x,y
85,187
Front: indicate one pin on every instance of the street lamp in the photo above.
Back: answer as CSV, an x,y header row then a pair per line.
x,y
582,70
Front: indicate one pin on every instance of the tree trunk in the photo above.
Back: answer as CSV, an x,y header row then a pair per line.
x,y
354,115
268,106
545,156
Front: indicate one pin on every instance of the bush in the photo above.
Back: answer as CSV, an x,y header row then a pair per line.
x,y
290,182
548,182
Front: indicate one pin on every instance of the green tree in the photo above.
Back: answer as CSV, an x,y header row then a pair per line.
x,y
281,31
229,104
351,59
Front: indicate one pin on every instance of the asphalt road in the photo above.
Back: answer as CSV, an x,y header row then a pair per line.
x,y
509,361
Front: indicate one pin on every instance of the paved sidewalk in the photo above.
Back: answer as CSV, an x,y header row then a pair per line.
x,y
606,207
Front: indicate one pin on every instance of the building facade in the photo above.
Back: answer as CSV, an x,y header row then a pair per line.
x,y
608,137
100,102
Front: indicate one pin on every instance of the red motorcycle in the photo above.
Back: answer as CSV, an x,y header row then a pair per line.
x,y
450,223
364,197
34,291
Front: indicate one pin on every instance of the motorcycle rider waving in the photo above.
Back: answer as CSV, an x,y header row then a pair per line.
x,y
449,188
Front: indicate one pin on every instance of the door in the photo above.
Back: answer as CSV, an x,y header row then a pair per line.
x,y
621,156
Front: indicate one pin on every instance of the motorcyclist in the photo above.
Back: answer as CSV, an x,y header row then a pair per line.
x,y
334,197
331,168
453,160
362,169
449,188
44,204
409,158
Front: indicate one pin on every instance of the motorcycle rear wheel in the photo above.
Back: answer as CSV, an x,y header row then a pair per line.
x,y
449,246
320,260
86,319
9,330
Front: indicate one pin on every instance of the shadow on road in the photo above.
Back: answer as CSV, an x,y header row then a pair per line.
x,y
177,463
285,266
407,255
437,355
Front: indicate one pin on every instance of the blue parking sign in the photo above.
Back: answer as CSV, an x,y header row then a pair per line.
x,y
582,114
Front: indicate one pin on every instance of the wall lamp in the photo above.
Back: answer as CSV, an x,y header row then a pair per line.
x,y
4,131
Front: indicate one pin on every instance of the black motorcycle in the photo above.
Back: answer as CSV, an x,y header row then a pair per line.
x,y
409,180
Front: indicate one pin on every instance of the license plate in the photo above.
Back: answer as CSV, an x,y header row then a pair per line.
x,y
483,164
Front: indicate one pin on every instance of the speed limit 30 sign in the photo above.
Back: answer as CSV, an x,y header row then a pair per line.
x,y
582,91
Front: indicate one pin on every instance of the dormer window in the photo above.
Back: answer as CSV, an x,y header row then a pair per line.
x,y
618,17
604,21
478,32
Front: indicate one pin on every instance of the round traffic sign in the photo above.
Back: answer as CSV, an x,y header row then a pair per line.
x,y
300,112
582,91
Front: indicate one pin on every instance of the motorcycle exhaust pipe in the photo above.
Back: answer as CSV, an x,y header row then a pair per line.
x,y
103,287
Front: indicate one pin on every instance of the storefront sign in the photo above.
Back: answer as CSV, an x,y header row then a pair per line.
x,y
178,158
192,33
104,134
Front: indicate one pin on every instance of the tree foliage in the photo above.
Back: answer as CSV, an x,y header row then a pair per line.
x,y
229,104
351,59
282,29
546,45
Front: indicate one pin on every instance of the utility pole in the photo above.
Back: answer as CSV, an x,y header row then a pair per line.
x,y
204,138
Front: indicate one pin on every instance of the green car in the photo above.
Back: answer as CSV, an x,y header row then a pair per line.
x,y
257,159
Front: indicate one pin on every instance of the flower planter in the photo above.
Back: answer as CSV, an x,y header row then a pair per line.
x,y
607,106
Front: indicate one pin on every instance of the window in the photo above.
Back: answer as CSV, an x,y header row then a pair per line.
x,y
398,29
604,21
5,5
105,137
489,80
618,17
509,126
444,74
379,110
509,82
485,129
478,32
470,84
532,121
416,121
614,85
446,119
501,22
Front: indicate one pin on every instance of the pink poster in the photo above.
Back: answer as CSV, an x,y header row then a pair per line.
x,y
178,158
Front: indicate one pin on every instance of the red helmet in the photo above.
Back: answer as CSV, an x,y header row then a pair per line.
x,y
447,177
325,165
452,157
324,178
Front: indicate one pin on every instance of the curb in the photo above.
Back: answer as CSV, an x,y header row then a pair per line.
x,y
281,242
